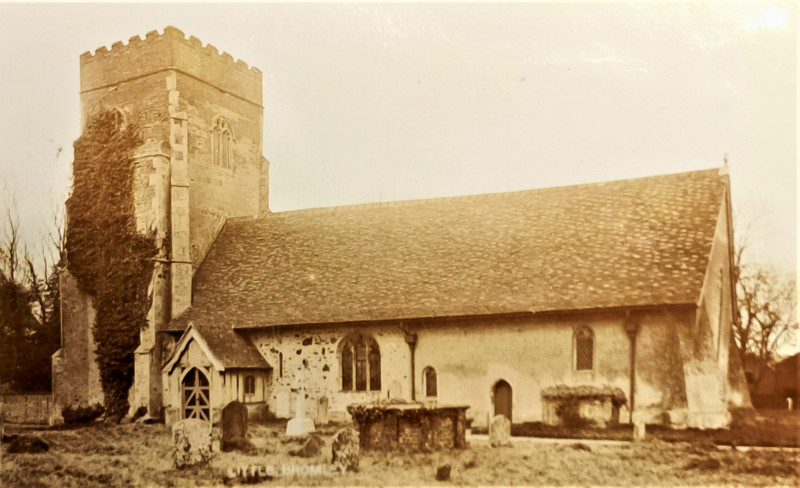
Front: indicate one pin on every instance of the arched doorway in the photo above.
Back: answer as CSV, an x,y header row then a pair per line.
x,y
196,395
502,399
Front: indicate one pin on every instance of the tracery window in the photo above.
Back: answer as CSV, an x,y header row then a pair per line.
x,y
221,137
360,364
584,348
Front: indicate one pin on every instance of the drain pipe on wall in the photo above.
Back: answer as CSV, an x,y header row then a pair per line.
x,y
632,328
411,340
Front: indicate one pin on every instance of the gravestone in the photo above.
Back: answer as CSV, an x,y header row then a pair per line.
x,y
322,410
345,449
283,397
310,448
233,424
300,424
395,390
639,430
500,431
192,442
443,473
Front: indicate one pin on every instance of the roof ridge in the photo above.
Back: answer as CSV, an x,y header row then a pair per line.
x,y
454,198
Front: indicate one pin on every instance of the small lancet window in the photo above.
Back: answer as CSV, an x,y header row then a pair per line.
x,y
429,376
221,137
584,349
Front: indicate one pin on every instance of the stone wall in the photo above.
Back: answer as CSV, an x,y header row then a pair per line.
x,y
532,353
76,377
217,193
705,343
309,358
471,355
28,408
171,50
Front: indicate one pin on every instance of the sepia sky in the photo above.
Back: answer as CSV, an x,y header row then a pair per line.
x,y
371,102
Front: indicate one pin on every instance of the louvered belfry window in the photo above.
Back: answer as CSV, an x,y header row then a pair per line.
x,y
584,349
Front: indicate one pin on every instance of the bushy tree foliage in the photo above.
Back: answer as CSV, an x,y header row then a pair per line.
x,y
110,260
29,308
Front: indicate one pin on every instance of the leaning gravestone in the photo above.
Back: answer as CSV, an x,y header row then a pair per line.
x,y
322,410
192,439
312,447
345,449
500,431
233,424
639,430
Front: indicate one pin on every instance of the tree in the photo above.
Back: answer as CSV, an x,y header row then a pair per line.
x,y
766,312
29,304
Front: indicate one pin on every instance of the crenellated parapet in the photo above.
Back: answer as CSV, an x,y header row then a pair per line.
x,y
171,50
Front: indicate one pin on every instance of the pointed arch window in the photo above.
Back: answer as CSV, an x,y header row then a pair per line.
x,y
360,364
584,349
429,379
221,143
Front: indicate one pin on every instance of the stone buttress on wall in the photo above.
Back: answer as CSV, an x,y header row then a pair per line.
x,y
174,89
705,343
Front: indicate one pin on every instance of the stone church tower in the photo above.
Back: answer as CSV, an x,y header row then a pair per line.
x,y
200,115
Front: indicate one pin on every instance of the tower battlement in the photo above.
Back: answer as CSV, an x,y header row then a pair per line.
x,y
171,50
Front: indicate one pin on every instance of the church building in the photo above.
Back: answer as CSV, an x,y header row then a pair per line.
x,y
496,301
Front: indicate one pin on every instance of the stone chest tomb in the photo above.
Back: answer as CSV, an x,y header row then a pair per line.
x,y
410,426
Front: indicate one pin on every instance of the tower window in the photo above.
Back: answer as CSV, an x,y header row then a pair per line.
x,y
221,137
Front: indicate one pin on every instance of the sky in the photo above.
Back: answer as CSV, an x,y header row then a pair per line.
x,y
371,102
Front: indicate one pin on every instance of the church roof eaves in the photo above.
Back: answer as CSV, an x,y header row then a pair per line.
x,y
627,243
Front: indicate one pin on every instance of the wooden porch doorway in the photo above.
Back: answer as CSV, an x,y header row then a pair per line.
x,y
196,395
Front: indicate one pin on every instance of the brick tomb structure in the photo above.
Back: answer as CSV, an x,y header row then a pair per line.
x,y
410,426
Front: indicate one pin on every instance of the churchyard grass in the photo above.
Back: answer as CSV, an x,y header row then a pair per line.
x,y
765,428
140,455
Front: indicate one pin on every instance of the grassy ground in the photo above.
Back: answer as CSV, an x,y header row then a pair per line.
x,y
766,428
139,455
